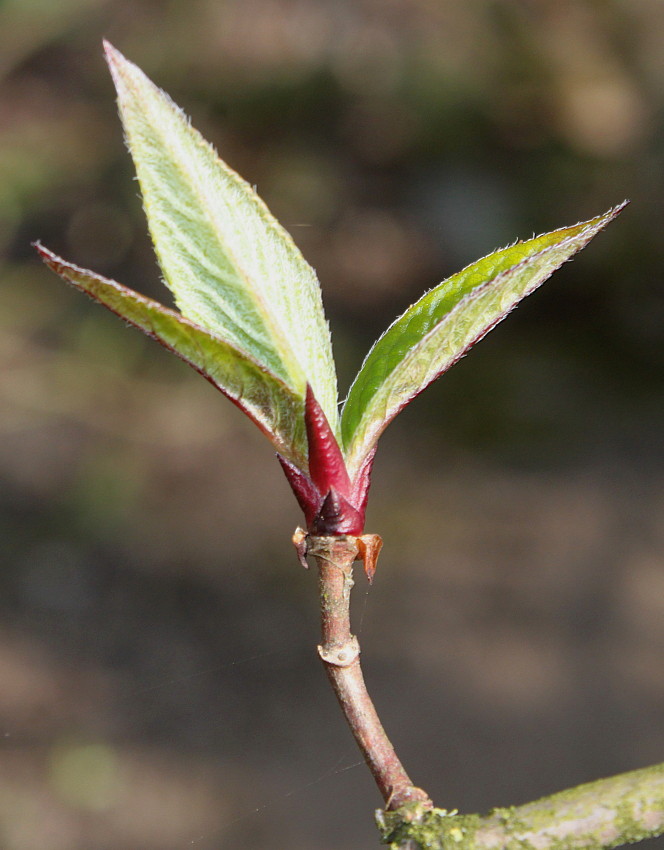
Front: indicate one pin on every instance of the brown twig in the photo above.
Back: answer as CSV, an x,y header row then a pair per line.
x,y
604,814
340,653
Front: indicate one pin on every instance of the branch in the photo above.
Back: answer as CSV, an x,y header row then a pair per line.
x,y
340,653
600,815
603,814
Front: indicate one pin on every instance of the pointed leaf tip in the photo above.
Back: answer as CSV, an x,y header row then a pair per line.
x,y
114,58
440,328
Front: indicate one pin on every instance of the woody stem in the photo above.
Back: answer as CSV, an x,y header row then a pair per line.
x,y
340,653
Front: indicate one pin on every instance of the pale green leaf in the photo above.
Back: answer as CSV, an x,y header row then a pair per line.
x,y
274,407
231,267
437,330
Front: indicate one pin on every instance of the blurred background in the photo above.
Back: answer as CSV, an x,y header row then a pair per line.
x,y
159,687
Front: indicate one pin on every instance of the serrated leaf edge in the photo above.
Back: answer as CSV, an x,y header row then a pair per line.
x,y
355,455
296,371
61,267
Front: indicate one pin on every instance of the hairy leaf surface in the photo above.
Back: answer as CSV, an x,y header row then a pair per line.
x,y
231,267
439,328
264,397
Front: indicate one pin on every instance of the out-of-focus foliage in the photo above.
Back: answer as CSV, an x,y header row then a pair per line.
x,y
397,140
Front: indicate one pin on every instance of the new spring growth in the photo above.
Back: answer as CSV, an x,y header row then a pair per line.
x,y
250,317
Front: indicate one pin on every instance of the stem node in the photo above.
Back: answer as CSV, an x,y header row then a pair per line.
x,y
341,656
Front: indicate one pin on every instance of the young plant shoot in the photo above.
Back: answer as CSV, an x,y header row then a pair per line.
x,y
250,319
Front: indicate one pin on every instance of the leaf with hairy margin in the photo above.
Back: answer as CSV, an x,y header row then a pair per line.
x,y
439,328
264,397
232,268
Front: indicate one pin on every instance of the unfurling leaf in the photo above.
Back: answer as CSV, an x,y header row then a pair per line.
x,y
274,407
439,328
331,503
232,268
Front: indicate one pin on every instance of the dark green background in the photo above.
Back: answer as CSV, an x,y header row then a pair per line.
x,y
157,644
